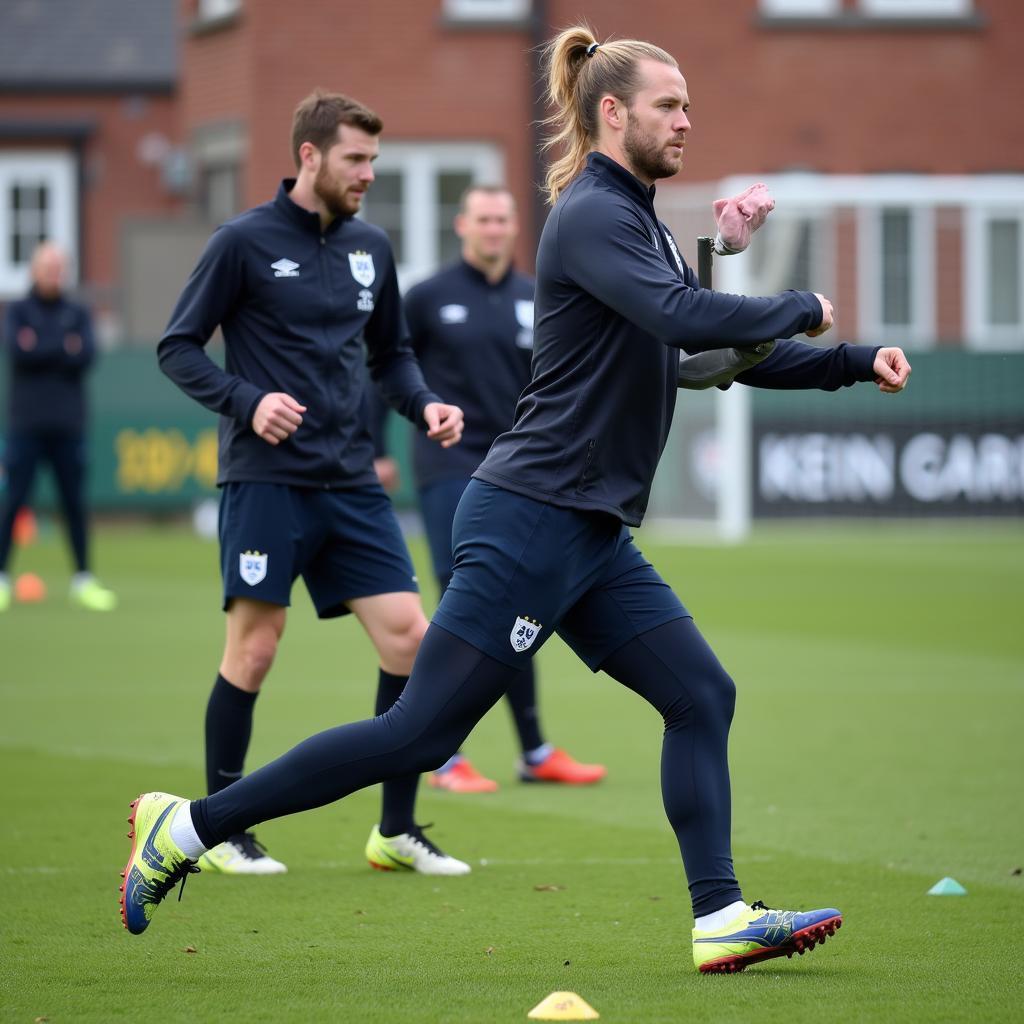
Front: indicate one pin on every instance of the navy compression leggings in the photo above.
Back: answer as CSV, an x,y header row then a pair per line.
x,y
453,685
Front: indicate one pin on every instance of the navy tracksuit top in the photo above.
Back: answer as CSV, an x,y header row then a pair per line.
x,y
295,303
615,302
474,341
47,380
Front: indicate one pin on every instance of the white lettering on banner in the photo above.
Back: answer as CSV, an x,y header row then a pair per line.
x,y
933,468
826,467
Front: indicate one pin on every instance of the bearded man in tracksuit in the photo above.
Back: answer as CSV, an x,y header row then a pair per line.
x,y
295,284
542,535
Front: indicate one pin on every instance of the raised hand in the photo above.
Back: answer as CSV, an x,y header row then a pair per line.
x,y
739,217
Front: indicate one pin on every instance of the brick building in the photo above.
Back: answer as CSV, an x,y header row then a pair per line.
x,y
923,231
88,123
878,123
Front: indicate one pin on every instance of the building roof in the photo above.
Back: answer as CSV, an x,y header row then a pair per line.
x,y
83,45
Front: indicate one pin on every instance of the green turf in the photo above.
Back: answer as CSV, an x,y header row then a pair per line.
x,y
877,748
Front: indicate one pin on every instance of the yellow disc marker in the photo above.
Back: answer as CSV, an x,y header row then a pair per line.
x,y
563,1006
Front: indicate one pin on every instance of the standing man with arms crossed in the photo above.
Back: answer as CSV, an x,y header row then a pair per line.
x,y
295,284
51,348
471,327
541,538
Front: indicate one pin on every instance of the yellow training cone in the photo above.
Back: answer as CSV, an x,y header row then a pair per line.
x,y
563,1006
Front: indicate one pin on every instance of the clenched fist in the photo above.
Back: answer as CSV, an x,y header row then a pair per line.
x,y
277,417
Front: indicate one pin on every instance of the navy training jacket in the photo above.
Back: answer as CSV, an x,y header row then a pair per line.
x,y
295,305
474,342
47,379
615,302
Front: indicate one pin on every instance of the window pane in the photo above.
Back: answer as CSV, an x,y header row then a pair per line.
x,y
916,8
785,255
896,260
450,186
487,10
27,221
220,193
793,7
1004,272
382,206
29,198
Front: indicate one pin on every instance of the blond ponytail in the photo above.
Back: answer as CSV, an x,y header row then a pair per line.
x,y
580,70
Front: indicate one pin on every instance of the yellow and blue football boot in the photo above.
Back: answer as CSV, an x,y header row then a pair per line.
x,y
759,933
156,864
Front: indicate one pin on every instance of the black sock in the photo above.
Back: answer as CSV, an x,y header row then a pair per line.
x,y
522,700
228,728
453,687
398,796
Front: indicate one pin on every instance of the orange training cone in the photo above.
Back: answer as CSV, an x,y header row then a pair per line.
x,y
25,528
29,588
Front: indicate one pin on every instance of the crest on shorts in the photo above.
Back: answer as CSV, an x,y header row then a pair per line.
x,y
362,267
252,567
524,632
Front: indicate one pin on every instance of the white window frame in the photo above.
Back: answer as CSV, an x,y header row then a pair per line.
x,y
920,332
56,169
419,165
487,10
215,10
917,8
980,333
977,195
822,244
801,8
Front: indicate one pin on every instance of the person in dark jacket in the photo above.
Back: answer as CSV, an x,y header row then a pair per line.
x,y
471,327
541,537
296,285
50,347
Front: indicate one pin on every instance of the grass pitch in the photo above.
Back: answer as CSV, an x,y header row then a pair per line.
x,y
877,748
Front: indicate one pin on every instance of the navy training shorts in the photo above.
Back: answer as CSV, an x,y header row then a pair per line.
x,y
524,570
438,502
344,545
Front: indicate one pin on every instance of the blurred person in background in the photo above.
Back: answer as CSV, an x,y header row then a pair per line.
x,y
296,285
471,327
50,348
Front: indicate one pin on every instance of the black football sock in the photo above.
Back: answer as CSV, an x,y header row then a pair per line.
x,y
228,729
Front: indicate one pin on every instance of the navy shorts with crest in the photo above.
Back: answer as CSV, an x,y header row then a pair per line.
x,y
344,545
525,570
